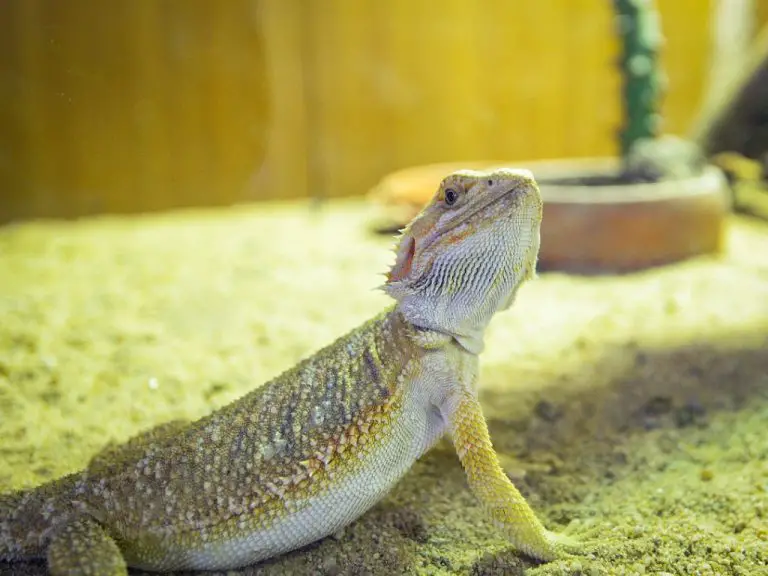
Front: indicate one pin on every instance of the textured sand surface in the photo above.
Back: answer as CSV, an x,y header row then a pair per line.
x,y
632,410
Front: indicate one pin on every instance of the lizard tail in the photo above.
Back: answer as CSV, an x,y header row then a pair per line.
x,y
27,516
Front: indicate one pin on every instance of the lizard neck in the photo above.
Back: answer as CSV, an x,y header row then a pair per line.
x,y
463,316
463,288
425,316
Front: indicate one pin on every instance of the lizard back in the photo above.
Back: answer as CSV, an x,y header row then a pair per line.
x,y
259,459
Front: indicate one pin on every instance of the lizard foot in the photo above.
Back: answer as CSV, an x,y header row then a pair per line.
x,y
549,546
564,545
593,545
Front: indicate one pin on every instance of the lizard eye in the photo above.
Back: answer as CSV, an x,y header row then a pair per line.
x,y
451,196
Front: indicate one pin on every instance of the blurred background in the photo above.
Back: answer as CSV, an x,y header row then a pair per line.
x,y
143,105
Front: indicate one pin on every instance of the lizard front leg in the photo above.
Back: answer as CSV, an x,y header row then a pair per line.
x,y
488,482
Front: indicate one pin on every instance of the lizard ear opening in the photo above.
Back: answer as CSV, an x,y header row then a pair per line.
x,y
404,261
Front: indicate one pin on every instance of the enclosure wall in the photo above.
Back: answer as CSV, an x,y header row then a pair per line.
x,y
138,105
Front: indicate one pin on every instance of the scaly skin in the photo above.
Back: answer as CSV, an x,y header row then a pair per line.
x,y
312,450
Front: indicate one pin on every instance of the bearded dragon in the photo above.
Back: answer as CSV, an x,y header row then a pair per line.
x,y
307,453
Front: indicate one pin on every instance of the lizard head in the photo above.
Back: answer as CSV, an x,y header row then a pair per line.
x,y
465,255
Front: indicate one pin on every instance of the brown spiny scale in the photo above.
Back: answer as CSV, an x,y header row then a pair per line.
x,y
276,444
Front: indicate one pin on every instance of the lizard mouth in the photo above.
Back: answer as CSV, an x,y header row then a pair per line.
x,y
433,237
407,254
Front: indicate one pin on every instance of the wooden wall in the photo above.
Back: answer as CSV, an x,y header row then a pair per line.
x,y
133,105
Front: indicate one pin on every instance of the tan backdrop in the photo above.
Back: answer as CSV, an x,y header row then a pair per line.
x,y
134,105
